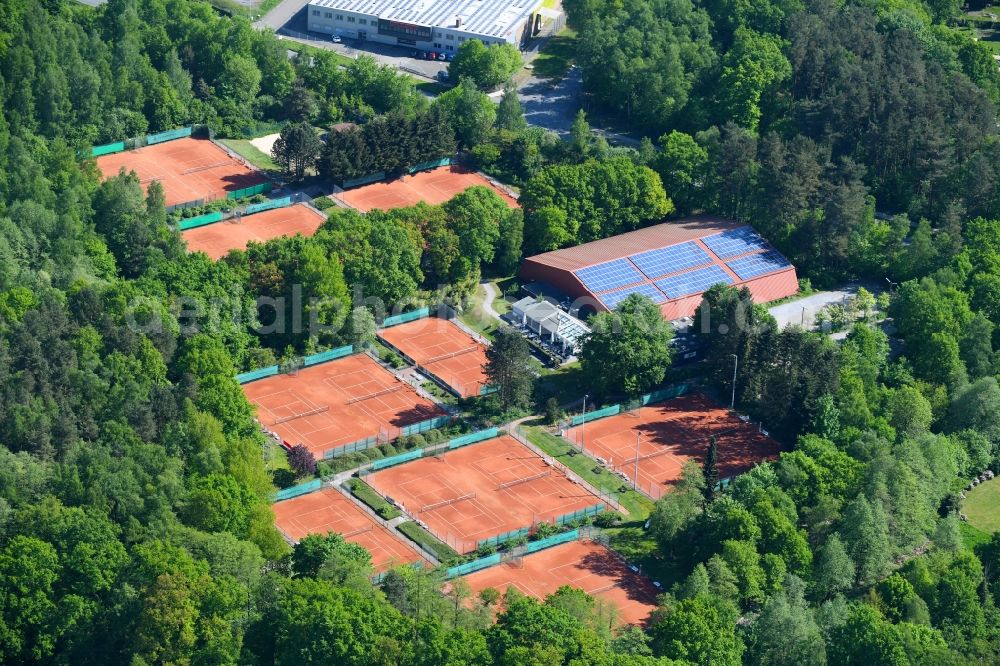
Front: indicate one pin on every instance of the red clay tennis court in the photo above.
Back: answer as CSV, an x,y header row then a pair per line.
x,y
444,350
434,187
216,240
671,433
336,403
188,168
481,491
329,511
583,564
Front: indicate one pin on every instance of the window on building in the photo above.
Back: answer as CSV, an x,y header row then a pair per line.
x,y
340,17
329,14
350,19
450,47
315,12
461,39
363,21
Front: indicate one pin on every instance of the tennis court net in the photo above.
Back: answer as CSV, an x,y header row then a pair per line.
x,y
447,502
390,389
647,456
205,167
453,354
292,417
527,479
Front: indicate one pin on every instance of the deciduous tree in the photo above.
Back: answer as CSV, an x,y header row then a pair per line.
x,y
627,351
296,148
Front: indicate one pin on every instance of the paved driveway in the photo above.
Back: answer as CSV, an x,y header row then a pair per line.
x,y
282,14
552,105
803,310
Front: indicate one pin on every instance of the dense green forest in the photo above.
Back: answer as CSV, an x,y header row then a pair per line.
x,y
134,519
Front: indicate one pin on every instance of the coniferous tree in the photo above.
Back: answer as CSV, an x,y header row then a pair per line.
x,y
510,369
710,470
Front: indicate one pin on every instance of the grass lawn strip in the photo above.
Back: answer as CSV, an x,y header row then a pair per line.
x,y
442,551
376,502
982,506
555,58
251,154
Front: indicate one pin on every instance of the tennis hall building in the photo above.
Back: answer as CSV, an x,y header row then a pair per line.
x,y
430,25
671,263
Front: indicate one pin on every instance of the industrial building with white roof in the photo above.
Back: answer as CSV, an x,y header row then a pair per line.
x,y
440,25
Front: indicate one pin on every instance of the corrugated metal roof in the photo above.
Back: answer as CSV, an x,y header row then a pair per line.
x,y
562,267
494,18
633,242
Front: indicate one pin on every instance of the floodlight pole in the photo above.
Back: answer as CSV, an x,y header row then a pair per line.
x,y
736,363
635,476
583,422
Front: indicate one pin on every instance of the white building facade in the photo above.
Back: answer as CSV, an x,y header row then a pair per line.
x,y
429,25
550,323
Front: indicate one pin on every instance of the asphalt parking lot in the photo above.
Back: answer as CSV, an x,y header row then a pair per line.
x,y
396,56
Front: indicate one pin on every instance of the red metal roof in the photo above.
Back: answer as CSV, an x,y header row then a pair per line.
x,y
634,242
557,267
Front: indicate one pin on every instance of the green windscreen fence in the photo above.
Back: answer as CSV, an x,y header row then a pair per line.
x,y
363,180
487,389
431,164
579,514
199,221
169,135
396,460
413,315
424,426
107,149
554,540
665,394
259,188
472,438
494,541
296,491
353,447
474,565
328,355
267,205
596,414
250,376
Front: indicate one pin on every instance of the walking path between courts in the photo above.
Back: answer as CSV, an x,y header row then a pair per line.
x,y
491,295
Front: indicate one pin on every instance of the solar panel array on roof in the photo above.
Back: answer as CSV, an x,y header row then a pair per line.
x,y
670,259
682,269
693,282
758,264
610,275
615,297
735,242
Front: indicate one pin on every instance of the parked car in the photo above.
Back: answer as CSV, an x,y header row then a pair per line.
x,y
431,55
442,75
442,56
335,39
